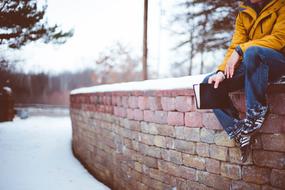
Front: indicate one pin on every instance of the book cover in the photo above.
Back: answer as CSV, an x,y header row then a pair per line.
x,y
208,97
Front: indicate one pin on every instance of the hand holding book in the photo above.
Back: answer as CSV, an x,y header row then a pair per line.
x,y
208,97
217,79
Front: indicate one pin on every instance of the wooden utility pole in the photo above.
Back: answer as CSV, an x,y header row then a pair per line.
x,y
145,40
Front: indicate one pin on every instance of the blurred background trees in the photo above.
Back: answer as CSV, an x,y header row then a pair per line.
x,y
202,26
22,21
115,64
200,29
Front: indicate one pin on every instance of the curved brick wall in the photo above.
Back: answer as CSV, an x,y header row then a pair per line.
x,y
158,140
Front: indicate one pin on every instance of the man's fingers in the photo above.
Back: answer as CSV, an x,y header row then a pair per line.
x,y
210,81
216,84
228,74
232,72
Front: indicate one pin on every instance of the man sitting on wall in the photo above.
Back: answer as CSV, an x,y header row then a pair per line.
x,y
253,59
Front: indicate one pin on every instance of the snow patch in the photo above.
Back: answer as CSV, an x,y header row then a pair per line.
x,y
36,154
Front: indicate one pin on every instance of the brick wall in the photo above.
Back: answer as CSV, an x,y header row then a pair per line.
x,y
158,140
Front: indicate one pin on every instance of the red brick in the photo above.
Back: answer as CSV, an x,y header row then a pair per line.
x,y
160,185
127,142
135,145
139,186
135,125
231,171
116,111
197,186
149,128
93,99
181,184
277,178
269,159
118,101
150,162
138,115
146,138
168,167
257,144
222,139
274,124
255,174
207,135
184,146
213,166
154,103
186,173
267,187
113,100
138,167
120,111
148,115
125,103
150,150
169,142
277,102
130,114
275,142
193,119
219,152
241,185
172,156
179,132
143,102
194,161
192,134
168,103
184,103
202,149
160,117
235,155
213,180
210,121
165,130
175,118
107,100
159,175
133,102
160,141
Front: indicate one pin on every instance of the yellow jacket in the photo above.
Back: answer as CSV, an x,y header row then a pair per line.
x,y
266,29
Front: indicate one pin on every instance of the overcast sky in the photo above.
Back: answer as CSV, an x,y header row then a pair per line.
x,y
98,25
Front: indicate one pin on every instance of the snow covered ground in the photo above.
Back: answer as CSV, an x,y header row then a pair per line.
x,y
35,154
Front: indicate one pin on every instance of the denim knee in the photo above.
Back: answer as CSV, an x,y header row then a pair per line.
x,y
253,51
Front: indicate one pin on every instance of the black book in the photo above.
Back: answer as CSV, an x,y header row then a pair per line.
x,y
208,97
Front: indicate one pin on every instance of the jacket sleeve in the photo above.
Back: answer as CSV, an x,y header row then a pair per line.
x,y
240,36
276,40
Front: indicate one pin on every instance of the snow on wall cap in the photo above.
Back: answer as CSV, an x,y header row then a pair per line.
x,y
157,84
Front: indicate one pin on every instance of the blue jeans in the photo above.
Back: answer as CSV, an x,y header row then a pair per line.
x,y
259,66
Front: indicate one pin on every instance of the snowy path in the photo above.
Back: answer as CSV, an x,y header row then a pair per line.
x,y
35,154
